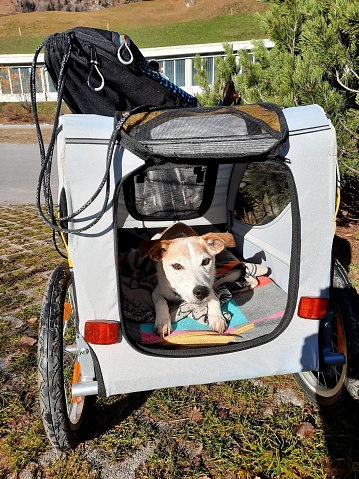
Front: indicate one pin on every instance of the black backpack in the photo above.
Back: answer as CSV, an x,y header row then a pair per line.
x,y
97,72
104,72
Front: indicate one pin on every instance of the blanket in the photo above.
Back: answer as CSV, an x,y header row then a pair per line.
x,y
189,325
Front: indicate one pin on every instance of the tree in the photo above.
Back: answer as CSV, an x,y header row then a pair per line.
x,y
314,60
225,68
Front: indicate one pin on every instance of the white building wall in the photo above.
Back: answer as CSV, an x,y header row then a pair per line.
x,y
15,69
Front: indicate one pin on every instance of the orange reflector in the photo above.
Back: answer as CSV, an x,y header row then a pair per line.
x,y
312,308
101,331
67,312
341,339
76,378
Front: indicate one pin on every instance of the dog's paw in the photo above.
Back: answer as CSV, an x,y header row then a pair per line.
x,y
163,327
217,323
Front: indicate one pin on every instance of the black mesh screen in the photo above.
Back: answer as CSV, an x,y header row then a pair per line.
x,y
170,191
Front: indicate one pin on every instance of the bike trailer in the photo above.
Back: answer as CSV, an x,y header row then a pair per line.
x,y
270,177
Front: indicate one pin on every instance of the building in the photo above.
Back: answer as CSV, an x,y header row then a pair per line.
x,y
175,62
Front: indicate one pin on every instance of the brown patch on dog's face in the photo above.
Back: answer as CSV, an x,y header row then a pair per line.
x,y
218,241
155,249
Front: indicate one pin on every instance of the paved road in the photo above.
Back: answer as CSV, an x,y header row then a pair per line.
x,y
19,172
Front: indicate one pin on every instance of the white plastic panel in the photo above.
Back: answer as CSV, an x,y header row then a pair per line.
x,y
311,151
269,244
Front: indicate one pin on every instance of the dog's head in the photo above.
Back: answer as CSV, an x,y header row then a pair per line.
x,y
189,263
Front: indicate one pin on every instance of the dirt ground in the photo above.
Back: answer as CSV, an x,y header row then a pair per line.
x,y
346,249
23,136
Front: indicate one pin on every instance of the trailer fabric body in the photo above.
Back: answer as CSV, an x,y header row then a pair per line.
x,y
294,245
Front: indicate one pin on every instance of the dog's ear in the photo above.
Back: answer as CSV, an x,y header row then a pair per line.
x,y
218,241
155,249
178,230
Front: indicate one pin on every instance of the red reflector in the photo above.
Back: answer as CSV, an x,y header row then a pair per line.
x,y
312,308
101,331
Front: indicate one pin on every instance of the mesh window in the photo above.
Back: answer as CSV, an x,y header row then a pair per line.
x,y
170,192
263,193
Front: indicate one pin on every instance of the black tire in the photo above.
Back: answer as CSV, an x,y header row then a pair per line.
x,y
334,385
57,362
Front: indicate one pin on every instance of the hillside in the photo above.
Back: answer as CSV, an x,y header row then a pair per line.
x,y
149,23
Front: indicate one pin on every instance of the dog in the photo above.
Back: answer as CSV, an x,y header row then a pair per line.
x,y
185,264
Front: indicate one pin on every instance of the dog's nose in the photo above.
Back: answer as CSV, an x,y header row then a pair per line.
x,y
201,292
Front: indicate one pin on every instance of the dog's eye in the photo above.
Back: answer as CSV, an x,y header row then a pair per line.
x,y
177,266
206,261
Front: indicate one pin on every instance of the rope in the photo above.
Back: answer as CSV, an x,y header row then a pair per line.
x,y
44,185
46,157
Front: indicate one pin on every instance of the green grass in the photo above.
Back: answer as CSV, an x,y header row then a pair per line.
x,y
354,275
219,29
229,430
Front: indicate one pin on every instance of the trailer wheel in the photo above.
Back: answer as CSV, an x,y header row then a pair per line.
x,y
332,386
58,365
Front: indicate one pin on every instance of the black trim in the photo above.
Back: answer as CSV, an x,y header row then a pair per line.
x,y
136,140
98,374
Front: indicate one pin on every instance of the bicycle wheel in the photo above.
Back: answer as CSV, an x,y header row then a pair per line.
x,y
58,363
329,387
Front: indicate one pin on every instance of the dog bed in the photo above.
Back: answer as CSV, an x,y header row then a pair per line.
x,y
253,305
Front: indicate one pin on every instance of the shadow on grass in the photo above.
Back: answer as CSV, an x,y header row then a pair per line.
x,y
342,251
337,389
103,415
341,430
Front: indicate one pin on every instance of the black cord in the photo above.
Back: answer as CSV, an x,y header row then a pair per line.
x,y
47,156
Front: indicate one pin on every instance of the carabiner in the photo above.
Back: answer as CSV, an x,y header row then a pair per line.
x,y
94,64
124,45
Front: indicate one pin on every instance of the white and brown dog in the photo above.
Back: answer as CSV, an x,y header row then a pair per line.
x,y
185,265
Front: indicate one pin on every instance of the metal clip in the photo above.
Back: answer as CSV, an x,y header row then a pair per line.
x,y
122,60
94,64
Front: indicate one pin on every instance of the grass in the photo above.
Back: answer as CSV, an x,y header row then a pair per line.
x,y
223,29
238,429
149,24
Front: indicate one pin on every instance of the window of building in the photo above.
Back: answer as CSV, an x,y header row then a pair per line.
x,y
16,84
169,70
25,79
16,81
263,193
174,70
49,83
180,72
210,70
5,83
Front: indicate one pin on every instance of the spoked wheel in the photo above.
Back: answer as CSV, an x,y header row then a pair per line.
x,y
329,387
59,367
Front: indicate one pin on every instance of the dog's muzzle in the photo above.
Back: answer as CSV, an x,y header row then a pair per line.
x,y
200,292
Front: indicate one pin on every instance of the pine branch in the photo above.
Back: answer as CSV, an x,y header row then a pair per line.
x,y
259,93
342,84
353,170
348,130
354,73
